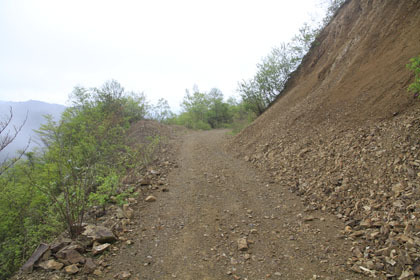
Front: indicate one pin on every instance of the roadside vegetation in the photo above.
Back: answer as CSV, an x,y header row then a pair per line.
x,y
85,156
209,110
414,66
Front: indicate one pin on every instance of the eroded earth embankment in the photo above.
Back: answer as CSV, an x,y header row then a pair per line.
x,y
345,134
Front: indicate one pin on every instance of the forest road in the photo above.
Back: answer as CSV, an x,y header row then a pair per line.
x,y
216,206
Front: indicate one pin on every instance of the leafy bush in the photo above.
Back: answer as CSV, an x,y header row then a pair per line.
x,y
85,150
414,66
84,158
107,187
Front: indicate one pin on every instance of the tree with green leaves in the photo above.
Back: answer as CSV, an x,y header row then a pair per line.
x,y
204,110
85,155
86,146
161,111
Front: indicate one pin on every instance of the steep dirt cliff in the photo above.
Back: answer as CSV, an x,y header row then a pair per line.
x,y
345,135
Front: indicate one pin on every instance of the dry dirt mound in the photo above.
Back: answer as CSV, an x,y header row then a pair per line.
x,y
345,135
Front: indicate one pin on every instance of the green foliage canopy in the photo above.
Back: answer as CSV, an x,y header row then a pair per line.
x,y
204,110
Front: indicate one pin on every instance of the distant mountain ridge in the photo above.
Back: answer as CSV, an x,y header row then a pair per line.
x,y
35,110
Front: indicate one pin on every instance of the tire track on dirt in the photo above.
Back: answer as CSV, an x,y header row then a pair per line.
x,y
191,232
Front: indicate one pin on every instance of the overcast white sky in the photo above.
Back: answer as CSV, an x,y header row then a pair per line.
x,y
160,47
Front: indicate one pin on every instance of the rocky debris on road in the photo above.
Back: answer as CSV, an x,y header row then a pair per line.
x,y
150,198
128,211
123,275
98,249
368,176
242,244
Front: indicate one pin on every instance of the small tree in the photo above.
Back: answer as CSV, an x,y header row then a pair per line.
x,y
161,111
252,96
86,151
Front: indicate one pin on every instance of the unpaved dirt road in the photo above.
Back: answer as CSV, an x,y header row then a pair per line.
x,y
214,199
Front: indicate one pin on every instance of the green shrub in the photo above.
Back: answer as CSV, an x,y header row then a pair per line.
x,y
26,217
414,66
105,190
85,155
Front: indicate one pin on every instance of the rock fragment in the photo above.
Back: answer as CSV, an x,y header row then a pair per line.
x,y
40,250
242,244
89,266
128,211
100,248
309,218
100,234
51,265
70,256
150,198
124,275
71,269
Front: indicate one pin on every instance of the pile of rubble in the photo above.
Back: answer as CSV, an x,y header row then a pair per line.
x,y
368,176
73,256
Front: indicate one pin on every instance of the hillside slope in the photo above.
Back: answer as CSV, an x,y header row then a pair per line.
x,y
345,133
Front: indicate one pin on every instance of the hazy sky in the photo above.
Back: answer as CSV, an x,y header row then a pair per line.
x,y
160,47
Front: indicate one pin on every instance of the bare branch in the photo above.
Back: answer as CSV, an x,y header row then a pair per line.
x,y
6,164
7,137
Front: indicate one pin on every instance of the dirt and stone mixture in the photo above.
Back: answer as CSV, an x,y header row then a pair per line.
x,y
368,177
208,216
